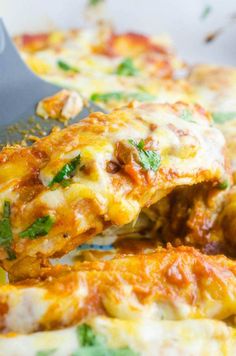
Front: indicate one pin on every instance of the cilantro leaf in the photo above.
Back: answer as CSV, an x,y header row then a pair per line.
x,y
67,67
222,117
5,226
141,96
187,115
120,95
6,236
40,227
149,160
86,335
46,352
106,97
126,67
224,185
66,171
94,2
91,344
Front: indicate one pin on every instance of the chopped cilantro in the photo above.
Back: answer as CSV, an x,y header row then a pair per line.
x,y
221,117
224,185
106,97
206,12
94,2
67,67
46,352
120,95
91,344
5,230
126,67
66,172
86,335
149,160
40,227
141,96
187,115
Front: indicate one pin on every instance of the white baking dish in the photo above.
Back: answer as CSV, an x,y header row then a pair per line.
x,y
180,18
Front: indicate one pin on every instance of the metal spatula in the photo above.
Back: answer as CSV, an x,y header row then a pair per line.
x,y
20,91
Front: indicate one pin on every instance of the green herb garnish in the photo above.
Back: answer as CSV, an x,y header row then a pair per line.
x,y
67,67
141,96
6,236
106,97
46,352
120,95
149,160
221,117
206,12
91,344
66,172
224,185
86,335
40,227
127,67
94,2
187,115
5,225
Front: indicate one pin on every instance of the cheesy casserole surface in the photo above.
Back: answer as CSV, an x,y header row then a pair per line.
x,y
140,203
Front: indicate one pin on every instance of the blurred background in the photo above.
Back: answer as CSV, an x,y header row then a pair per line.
x,y
202,30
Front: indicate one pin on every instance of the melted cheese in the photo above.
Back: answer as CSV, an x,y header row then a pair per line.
x,y
140,291
191,152
144,337
174,284
95,56
215,88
